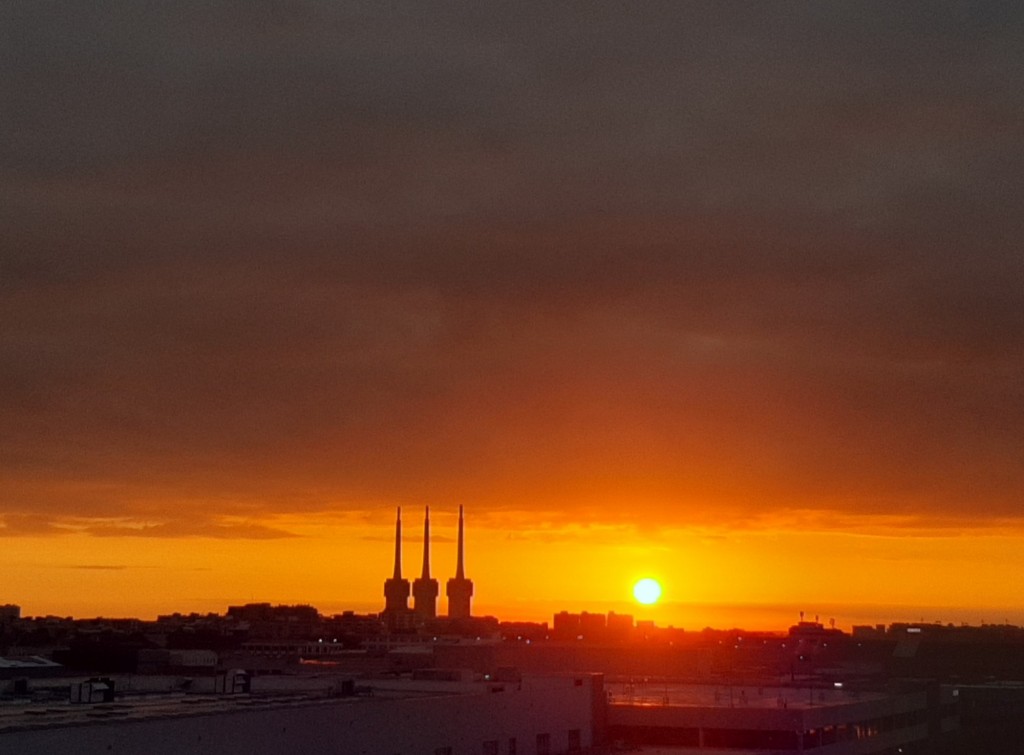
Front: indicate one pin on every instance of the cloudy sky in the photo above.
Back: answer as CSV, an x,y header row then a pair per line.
x,y
662,267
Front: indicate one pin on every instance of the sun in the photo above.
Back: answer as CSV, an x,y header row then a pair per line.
x,y
647,591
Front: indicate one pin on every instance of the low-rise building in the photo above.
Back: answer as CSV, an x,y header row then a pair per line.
x,y
763,719
534,716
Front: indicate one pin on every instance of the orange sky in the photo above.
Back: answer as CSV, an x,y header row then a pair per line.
x,y
732,297
756,579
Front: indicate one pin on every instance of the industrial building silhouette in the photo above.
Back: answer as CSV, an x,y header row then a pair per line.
x,y
459,590
425,589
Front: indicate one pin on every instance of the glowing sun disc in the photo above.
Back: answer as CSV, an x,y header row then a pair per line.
x,y
647,591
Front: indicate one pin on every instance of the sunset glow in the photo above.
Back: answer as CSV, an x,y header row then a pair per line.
x,y
720,294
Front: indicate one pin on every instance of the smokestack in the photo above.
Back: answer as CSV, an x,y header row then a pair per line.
x,y
425,589
460,572
398,545
396,589
426,545
460,589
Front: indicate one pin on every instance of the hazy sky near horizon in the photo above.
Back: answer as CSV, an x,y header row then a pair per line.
x,y
655,265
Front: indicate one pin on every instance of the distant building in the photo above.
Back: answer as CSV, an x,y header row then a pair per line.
x,y
9,612
264,621
592,625
868,631
353,628
519,631
619,625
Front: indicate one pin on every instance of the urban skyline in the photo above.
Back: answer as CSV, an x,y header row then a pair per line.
x,y
397,615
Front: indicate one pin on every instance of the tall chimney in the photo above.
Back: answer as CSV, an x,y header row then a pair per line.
x,y
460,571
459,589
396,589
426,545
398,545
425,589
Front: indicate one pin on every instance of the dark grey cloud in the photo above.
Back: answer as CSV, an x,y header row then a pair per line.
x,y
276,255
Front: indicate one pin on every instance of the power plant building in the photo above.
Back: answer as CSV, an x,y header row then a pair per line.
x,y
425,589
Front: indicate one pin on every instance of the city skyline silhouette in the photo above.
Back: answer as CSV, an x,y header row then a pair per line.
x,y
410,605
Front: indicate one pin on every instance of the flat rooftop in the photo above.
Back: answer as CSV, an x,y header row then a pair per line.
x,y
269,692
20,715
660,694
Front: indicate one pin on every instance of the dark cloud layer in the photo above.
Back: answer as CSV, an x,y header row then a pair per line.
x,y
273,256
